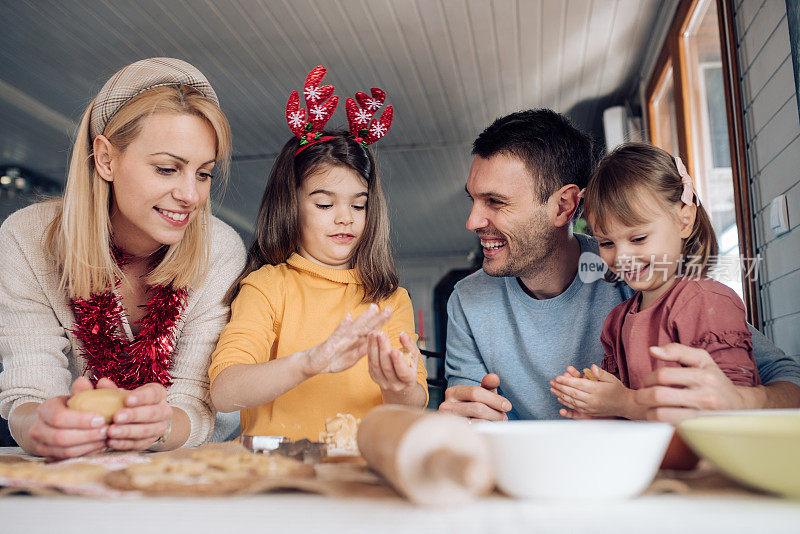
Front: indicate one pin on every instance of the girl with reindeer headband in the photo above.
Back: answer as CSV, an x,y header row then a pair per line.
x,y
320,289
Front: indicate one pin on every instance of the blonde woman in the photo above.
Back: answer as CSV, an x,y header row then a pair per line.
x,y
122,282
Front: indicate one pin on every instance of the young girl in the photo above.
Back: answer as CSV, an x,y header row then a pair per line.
x,y
291,356
654,234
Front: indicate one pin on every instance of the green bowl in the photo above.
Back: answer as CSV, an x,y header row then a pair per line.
x,y
759,448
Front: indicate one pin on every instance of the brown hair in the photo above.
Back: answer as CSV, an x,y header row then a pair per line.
x,y
277,229
553,150
617,187
79,237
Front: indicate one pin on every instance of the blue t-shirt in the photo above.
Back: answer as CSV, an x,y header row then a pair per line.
x,y
494,326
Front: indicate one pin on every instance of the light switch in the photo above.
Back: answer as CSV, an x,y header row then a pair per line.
x,y
779,215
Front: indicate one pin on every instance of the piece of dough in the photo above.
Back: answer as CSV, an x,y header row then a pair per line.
x,y
106,402
587,373
340,432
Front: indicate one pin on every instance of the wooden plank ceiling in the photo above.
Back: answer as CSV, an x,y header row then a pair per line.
x,y
449,67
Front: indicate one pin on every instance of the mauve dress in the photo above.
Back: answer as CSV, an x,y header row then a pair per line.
x,y
701,313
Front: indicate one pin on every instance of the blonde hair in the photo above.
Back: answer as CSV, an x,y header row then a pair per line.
x,y
79,237
623,179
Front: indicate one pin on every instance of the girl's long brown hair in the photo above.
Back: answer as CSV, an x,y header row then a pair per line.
x,y
618,191
278,231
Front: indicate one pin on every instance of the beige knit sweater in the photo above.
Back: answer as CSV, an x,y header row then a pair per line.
x,y
38,350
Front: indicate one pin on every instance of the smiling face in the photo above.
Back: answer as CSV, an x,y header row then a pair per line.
x,y
160,182
513,225
646,256
332,209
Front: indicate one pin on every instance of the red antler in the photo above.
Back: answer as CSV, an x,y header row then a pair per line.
x,y
320,107
359,116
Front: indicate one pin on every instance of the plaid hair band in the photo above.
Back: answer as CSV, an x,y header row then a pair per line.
x,y
139,77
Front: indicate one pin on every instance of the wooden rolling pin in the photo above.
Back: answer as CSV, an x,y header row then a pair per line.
x,y
430,458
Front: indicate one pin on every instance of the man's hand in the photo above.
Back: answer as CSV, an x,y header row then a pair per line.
x,y
675,393
477,402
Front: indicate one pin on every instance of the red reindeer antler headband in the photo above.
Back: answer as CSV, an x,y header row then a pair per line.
x,y
359,117
321,105
319,111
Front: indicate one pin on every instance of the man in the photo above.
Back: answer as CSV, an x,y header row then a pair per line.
x,y
526,316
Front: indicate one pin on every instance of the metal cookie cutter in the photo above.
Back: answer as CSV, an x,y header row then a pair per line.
x,y
262,443
304,450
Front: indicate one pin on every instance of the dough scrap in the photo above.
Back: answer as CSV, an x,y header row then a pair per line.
x,y
53,474
340,432
208,466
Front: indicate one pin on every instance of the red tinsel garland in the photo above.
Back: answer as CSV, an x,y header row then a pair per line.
x,y
109,353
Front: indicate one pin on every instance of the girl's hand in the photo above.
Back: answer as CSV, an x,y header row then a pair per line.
x,y
346,345
571,371
605,397
63,433
145,418
394,371
571,414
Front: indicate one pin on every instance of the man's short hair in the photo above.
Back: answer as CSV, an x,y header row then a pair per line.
x,y
554,151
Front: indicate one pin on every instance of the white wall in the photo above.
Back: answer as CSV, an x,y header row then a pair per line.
x,y
772,131
419,276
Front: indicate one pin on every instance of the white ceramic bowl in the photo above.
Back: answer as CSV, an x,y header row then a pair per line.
x,y
570,460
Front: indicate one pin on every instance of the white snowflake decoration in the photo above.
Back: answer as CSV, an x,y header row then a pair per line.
x,y
318,112
363,116
372,104
378,130
296,119
312,93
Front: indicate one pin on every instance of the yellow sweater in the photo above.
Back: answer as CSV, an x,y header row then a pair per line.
x,y
287,308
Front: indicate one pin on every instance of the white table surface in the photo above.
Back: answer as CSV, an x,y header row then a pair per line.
x,y
296,512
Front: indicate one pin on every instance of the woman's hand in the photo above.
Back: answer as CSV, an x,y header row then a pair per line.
x,y
346,345
144,419
394,371
604,397
60,433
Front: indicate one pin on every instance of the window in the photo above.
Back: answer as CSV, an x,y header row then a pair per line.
x,y
664,132
709,152
693,111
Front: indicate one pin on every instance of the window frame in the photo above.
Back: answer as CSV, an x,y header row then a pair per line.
x,y
672,55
